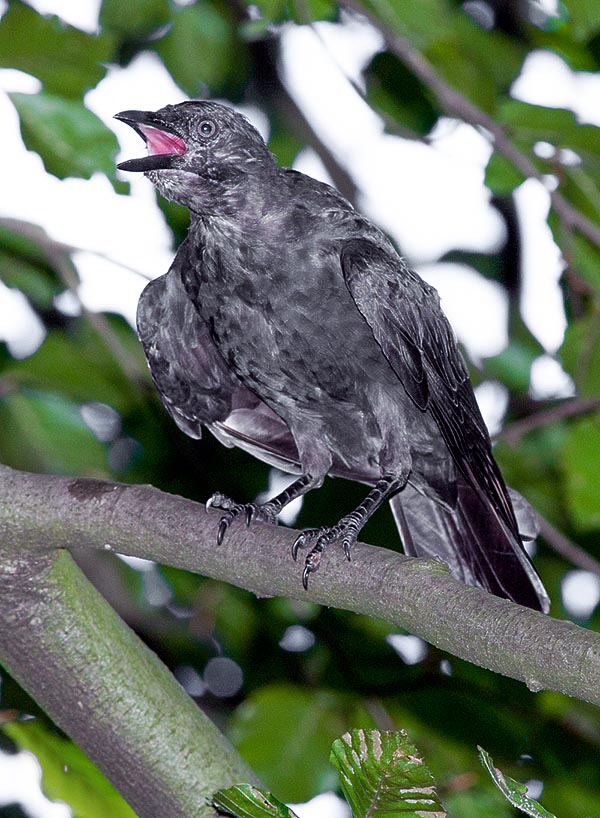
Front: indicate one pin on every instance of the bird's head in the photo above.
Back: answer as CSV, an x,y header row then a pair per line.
x,y
199,152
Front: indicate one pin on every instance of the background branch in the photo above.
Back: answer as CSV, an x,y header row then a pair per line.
x,y
514,432
102,685
418,595
454,103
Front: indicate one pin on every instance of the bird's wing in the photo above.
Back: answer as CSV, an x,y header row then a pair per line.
x,y
194,382
405,316
479,538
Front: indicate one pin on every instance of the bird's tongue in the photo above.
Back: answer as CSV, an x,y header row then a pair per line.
x,y
161,141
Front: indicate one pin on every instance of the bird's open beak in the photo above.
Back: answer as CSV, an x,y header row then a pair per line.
x,y
162,141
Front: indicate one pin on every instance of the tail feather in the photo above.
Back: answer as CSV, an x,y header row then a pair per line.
x,y
478,549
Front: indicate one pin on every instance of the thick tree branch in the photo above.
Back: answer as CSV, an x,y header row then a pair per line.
x,y
414,594
98,681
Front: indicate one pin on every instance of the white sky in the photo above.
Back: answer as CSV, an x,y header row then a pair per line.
x,y
431,198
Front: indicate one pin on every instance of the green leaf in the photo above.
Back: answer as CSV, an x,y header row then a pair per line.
x,y
512,790
70,139
33,262
501,176
67,774
142,17
476,62
246,801
66,60
585,18
276,11
79,365
285,733
202,49
580,353
45,433
580,466
382,776
558,126
395,91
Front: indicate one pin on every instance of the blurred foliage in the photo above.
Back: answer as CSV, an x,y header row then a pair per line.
x,y
68,775
53,403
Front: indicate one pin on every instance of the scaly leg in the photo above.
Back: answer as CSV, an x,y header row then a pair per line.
x,y
348,527
263,512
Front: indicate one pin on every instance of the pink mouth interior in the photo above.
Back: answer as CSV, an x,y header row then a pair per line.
x,y
161,141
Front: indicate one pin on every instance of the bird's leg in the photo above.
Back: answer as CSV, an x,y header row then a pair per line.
x,y
263,512
347,529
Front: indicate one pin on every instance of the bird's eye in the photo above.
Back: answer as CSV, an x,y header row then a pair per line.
x,y
207,128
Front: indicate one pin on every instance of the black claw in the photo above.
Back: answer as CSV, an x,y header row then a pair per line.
x,y
223,525
249,514
347,546
305,575
296,547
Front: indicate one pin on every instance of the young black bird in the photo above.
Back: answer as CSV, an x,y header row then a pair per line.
x,y
289,326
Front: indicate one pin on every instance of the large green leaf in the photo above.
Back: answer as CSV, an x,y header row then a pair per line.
x,y
202,49
71,140
382,775
286,732
67,774
45,433
66,60
78,364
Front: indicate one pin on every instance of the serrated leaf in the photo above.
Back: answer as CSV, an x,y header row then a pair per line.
x,y
512,790
247,801
66,60
383,776
70,139
67,774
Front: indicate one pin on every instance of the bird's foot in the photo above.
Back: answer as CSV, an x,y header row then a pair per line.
x,y
263,513
346,530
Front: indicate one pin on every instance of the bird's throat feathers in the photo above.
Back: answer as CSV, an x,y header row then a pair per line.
x,y
241,196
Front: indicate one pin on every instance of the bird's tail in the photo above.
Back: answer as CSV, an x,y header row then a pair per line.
x,y
478,548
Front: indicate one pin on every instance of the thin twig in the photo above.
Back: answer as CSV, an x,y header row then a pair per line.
x,y
566,548
514,432
455,104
